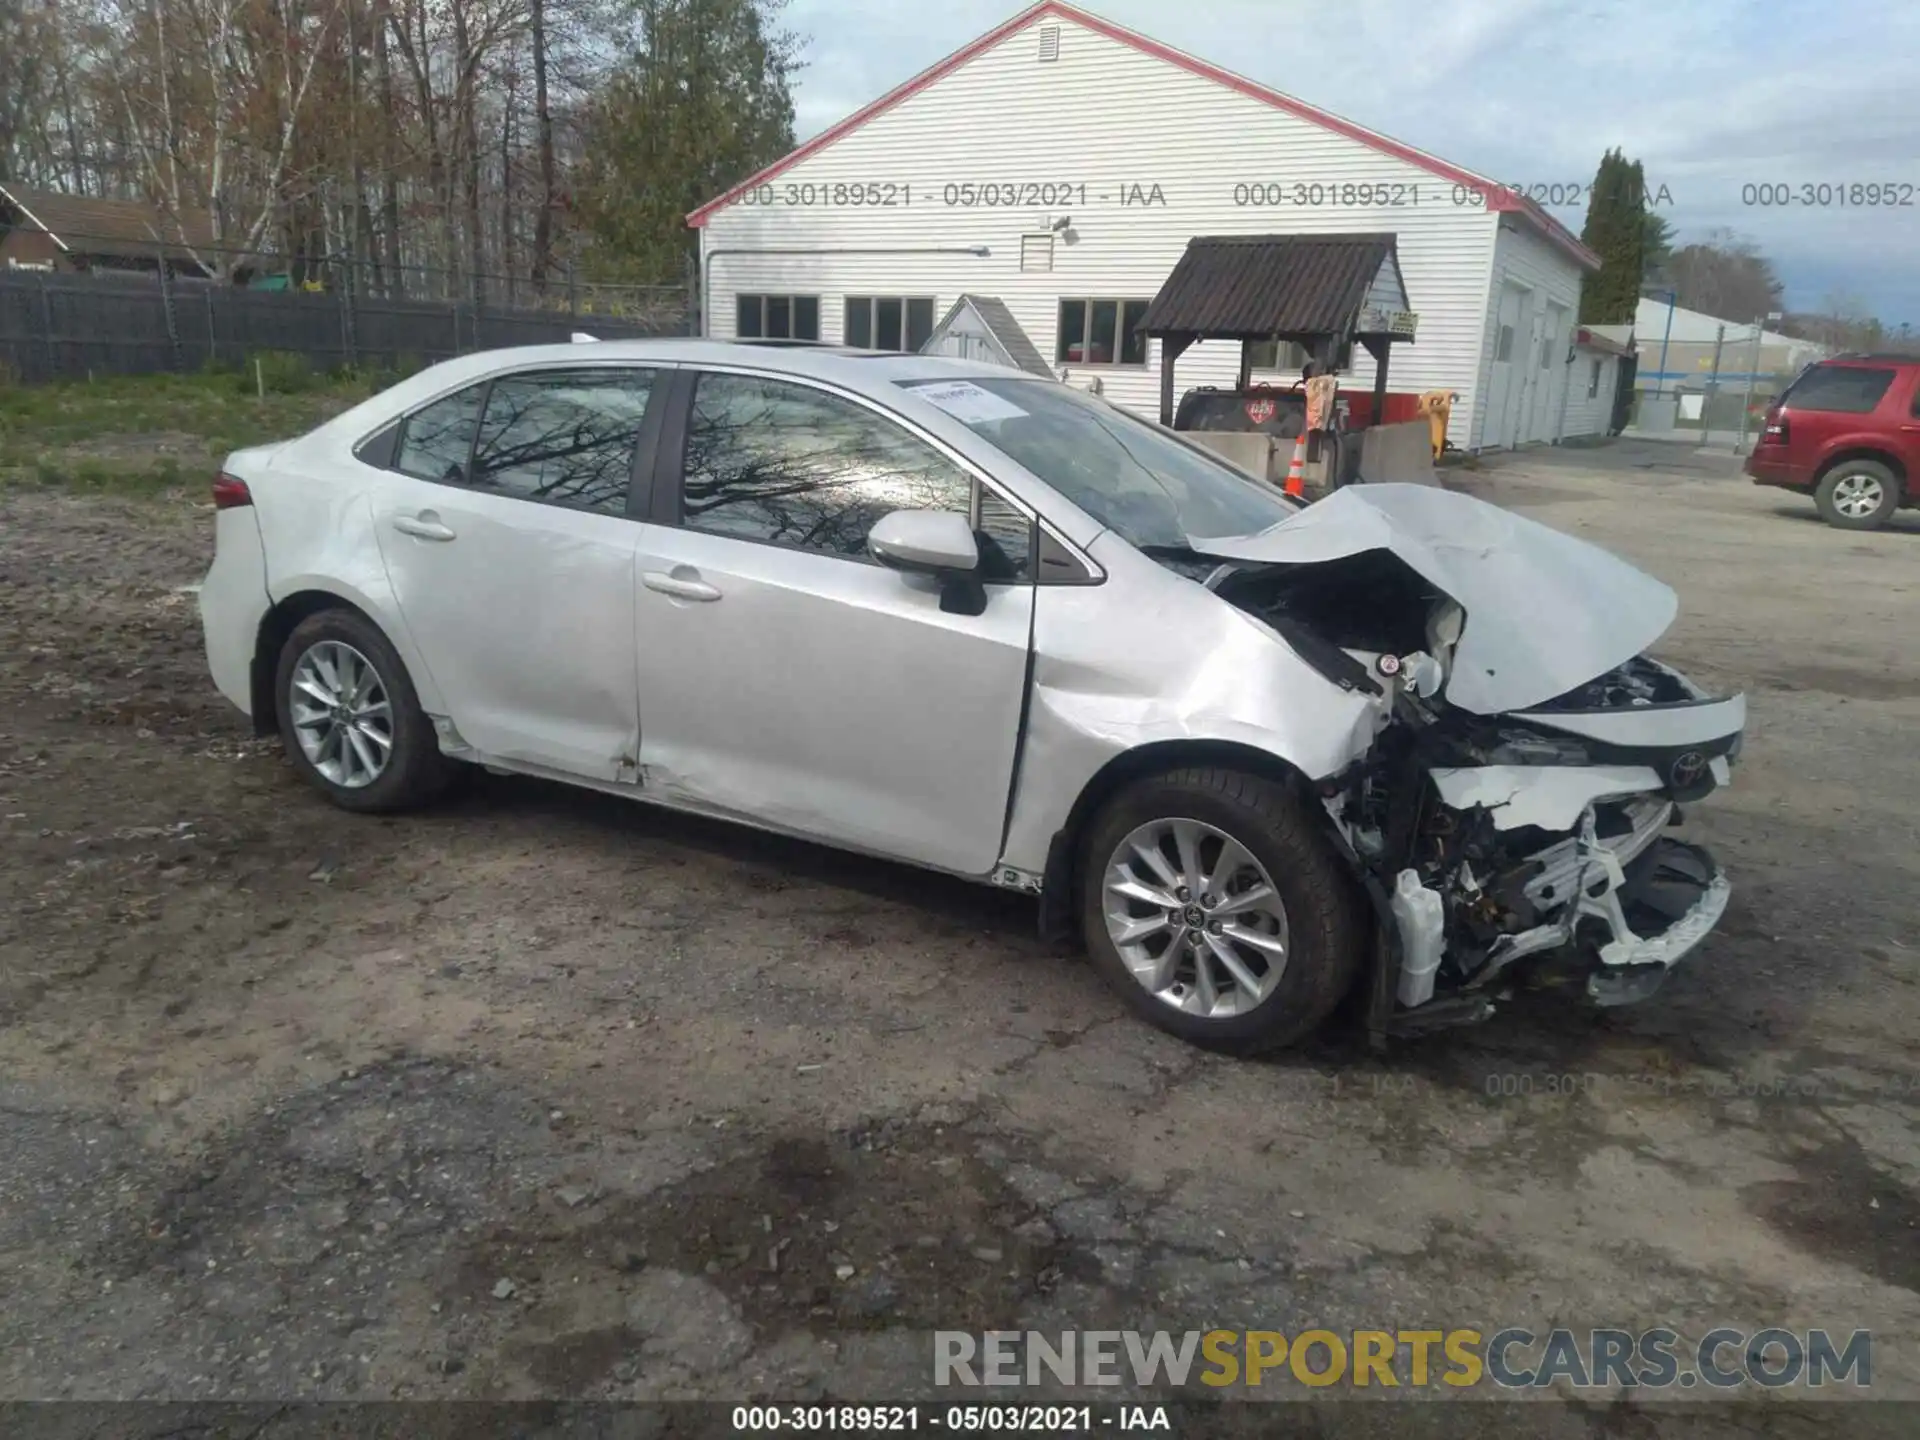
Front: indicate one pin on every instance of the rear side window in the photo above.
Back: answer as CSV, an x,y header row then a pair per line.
x,y
1847,389
563,436
437,442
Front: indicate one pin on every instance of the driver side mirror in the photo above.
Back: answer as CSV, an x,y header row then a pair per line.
x,y
937,543
930,542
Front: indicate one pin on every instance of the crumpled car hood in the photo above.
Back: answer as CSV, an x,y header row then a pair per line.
x,y
1544,612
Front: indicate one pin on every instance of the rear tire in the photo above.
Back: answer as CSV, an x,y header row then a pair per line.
x,y
350,720
1858,495
1318,920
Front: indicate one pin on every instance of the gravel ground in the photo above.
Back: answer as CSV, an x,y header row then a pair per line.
x,y
544,1094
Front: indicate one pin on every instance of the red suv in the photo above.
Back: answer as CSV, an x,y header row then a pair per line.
x,y
1848,431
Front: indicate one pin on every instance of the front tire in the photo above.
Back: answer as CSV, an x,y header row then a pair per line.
x,y
1857,495
350,720
1217,909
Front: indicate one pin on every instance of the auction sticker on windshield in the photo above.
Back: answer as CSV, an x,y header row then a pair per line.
x,y
967,402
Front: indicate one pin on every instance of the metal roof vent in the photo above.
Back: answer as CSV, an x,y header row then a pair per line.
x,y
1049,44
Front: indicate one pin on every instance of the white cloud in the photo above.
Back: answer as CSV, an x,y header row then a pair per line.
x,y
1711,95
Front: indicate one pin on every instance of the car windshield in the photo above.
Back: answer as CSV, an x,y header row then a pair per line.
x,y
1136,479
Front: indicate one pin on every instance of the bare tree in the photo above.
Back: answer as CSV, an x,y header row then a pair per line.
x,y
214,93
441,146
543,124
1726,275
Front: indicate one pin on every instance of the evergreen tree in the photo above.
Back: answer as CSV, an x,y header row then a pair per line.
x,y
1658,248
700,101
1616,230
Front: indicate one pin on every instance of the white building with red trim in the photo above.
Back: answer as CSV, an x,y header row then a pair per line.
x,y
1060,163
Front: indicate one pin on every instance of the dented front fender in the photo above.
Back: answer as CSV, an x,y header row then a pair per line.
x,y
1106,682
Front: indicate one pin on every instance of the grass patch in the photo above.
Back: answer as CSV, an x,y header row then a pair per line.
x,y
149,434
103,478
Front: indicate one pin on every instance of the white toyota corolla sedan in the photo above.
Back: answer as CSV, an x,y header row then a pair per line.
x,y
1254,755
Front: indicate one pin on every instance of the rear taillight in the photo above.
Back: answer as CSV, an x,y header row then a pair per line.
x,y
1776,431
230,492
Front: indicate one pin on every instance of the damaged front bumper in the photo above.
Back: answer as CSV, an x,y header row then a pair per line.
x,y
1631,906
1542,839
1658,910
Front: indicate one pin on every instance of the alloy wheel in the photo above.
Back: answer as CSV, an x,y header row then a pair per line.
x,y
1858,495
1195,917
341,714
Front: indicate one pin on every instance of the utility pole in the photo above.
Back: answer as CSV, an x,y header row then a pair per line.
x,y
1713,386
1660,379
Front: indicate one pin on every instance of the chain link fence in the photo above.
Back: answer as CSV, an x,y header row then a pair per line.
x,y
142,315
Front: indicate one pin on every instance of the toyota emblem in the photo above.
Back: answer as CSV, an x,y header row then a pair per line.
x,y
1686,769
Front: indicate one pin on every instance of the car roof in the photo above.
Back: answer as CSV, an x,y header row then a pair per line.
x,y
1882,359
870,372
873,374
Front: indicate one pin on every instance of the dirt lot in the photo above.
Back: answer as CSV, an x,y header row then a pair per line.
x,y
544,1094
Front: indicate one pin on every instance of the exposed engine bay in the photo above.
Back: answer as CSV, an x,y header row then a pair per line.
x,y
1484,837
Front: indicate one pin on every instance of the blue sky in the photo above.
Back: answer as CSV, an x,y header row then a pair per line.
x,y
1711,95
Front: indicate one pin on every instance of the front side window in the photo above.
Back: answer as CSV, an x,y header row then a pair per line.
x,y
783,463
777,317
563,436
1134,478
1006,537
1844,389
1101,332
877,322
437,442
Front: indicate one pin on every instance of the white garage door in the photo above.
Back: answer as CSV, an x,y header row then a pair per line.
x,y
1510,364
1550,384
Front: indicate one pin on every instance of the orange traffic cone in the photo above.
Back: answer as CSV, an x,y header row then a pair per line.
x,y
1296,473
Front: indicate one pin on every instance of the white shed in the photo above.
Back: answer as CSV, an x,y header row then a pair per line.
x,y
980,327
1060,163
1598,351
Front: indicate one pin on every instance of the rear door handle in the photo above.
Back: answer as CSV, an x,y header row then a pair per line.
x,y
424,526
678,586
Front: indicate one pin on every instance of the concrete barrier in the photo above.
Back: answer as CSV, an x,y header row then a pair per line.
x,y
1397,454
1657,414
1245,450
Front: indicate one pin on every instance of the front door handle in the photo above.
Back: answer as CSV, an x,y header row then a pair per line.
x,y
424,526
678,586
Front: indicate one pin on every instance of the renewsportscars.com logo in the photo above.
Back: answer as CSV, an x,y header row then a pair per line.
x,y
1512,1359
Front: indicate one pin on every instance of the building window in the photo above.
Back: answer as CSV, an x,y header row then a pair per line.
x,y
1101,332
888,322
1287,355
777,317
1593,381
1036,252
1503,348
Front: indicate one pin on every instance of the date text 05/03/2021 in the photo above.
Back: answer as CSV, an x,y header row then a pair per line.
x,y
957,1419
970,194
